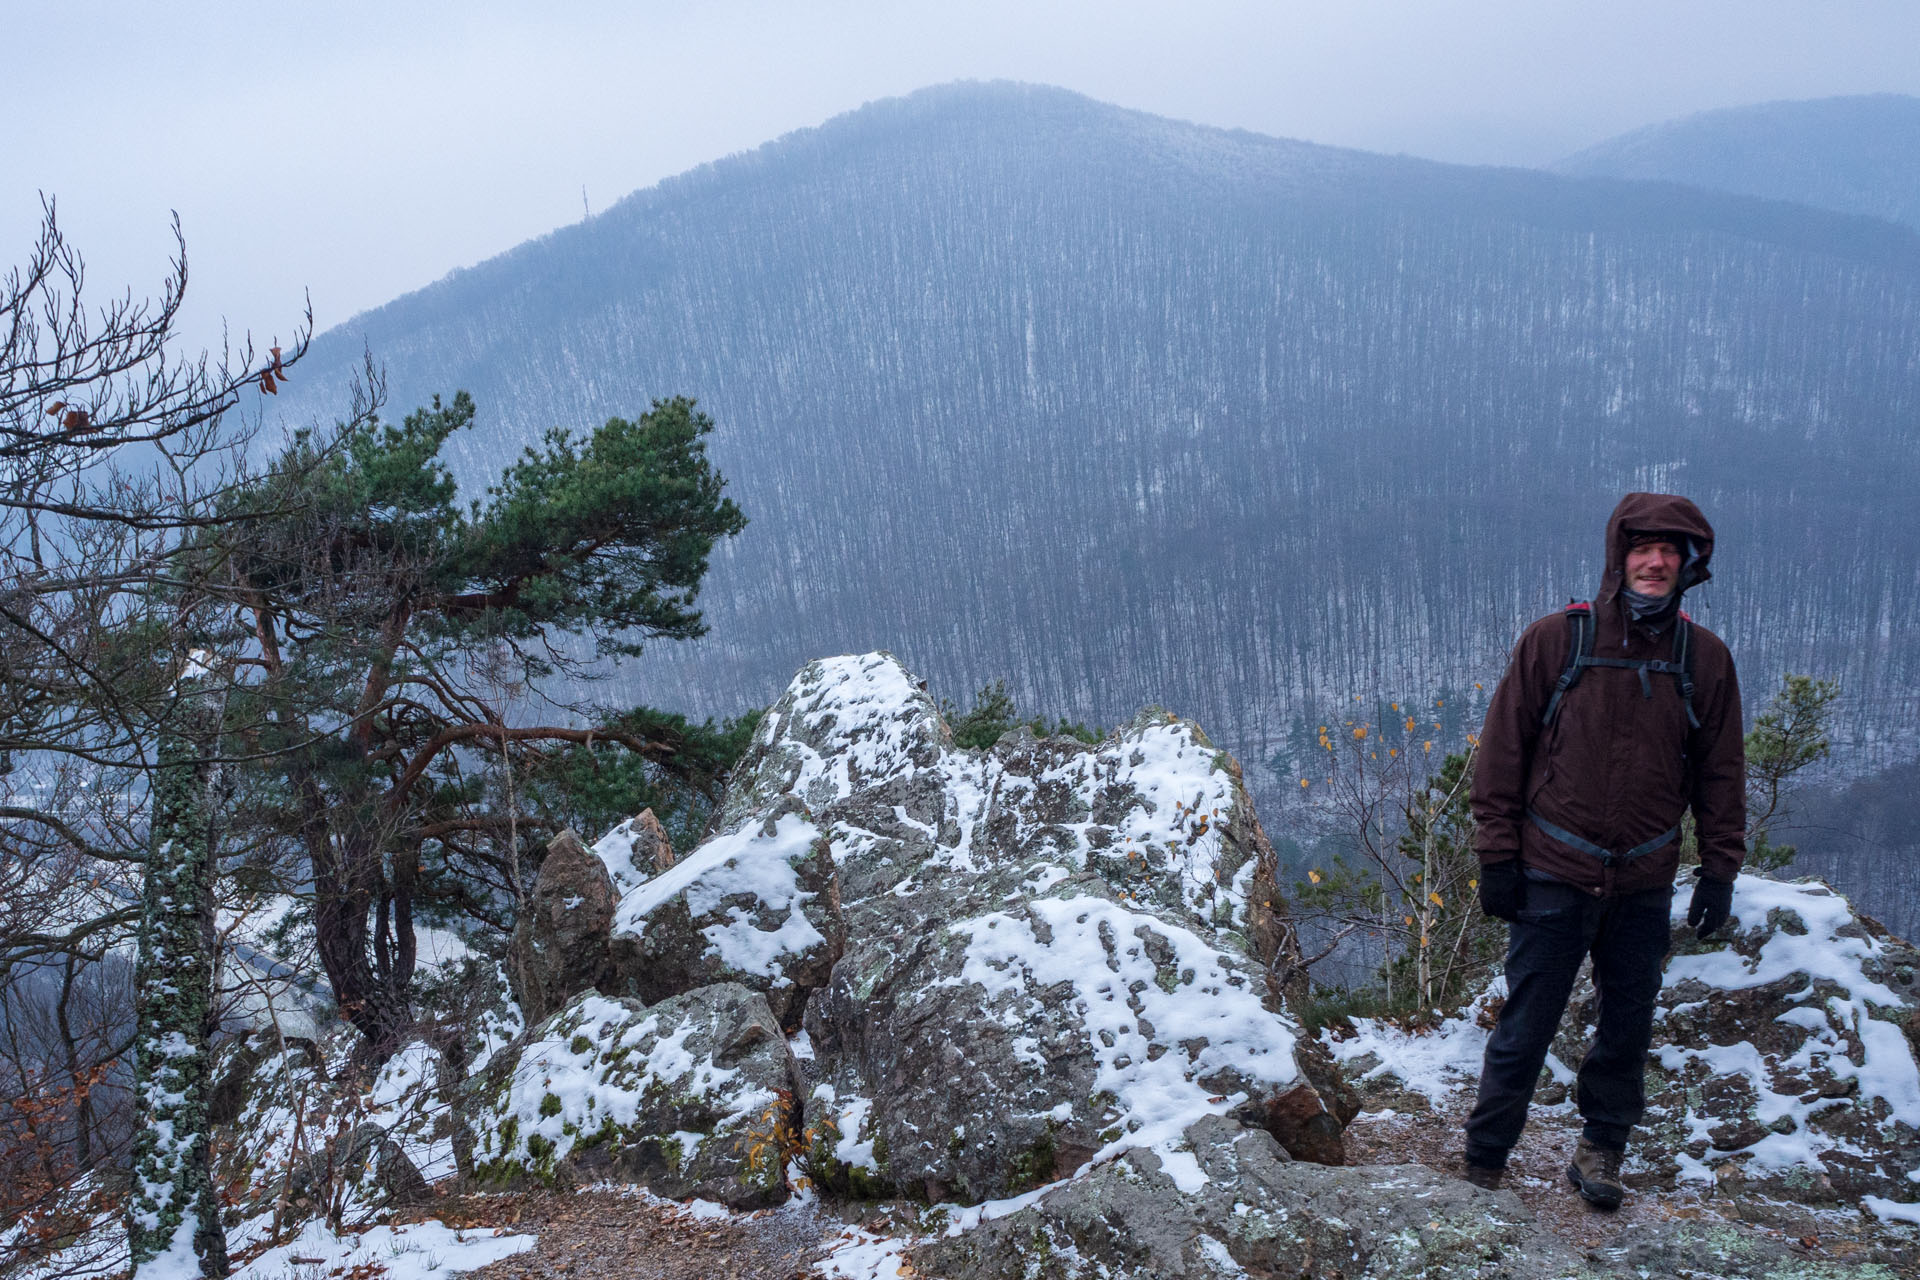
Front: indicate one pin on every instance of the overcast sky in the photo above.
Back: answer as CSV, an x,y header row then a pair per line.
x,y
363,148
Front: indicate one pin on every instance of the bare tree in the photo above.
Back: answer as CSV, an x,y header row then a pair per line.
x,y
114,451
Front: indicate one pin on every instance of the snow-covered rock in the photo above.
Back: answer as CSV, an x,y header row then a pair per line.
x,y
1049,952
635,851
1784,1059
1228,1204
755,906
294,1121
1784,1062
693,1096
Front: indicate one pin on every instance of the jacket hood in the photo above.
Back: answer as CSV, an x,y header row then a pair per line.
x,y
1656,513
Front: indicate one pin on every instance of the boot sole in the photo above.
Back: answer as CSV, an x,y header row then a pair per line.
x,y
1600,1197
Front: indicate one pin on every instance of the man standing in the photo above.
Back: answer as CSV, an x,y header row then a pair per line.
x,y
1612,720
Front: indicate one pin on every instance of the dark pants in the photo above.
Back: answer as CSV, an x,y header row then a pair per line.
x,y
1559,926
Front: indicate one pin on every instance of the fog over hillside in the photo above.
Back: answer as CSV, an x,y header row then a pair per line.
x,y
1125,410
1852,155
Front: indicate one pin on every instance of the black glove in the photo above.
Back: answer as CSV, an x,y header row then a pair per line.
x,y
1712,904
1503,888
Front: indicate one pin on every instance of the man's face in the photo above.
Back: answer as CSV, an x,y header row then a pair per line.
x,y
1653,568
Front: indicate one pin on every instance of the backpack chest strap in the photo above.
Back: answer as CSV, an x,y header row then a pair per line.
x,y
1580,656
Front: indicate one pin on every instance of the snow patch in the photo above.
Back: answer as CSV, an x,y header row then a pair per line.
x,y
1432,1063
413,1251
615,850
1152,1043
742,864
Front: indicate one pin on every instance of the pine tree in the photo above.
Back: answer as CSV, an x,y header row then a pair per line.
x,y
390,627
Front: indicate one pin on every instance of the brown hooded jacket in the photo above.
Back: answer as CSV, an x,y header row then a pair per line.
x,y
1617,767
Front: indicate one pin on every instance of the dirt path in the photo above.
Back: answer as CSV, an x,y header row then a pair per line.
x,y
1536,1172
635,1236
632,1236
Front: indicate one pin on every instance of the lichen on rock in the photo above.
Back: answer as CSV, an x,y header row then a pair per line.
x,y
693,1096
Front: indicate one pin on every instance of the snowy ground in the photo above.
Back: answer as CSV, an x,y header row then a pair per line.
x,y
413,1251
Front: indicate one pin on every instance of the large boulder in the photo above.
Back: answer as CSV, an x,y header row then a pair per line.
x,y
693,1096
1050,951
559,946
1226,1202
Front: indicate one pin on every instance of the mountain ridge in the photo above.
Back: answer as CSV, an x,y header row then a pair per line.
x,y
1856,154
1016,394
1792,220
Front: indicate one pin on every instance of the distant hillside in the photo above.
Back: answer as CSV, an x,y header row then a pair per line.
x,y
1127,410
1852,155
1866,834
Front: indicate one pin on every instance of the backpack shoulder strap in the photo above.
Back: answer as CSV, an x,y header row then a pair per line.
x,y
1683,662
1579,615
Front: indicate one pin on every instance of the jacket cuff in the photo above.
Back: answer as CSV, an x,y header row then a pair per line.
x,y
1715,865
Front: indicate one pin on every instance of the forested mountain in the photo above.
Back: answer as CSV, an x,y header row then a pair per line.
x,y
1853,155
1127,410
1866,834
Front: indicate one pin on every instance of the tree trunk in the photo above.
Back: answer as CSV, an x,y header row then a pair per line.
x,y
78,1077
173,1213
347,890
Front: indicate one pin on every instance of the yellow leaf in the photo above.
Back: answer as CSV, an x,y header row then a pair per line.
x,y
1314,876
1428,745
1361,732
1303,782
1392,752
1434,898
1409,919
1473,884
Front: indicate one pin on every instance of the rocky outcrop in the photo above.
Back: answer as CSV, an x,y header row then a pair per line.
x,y
303,1125
1052,976
693,1096
1785,1067
1052,949
559,946
1784,1059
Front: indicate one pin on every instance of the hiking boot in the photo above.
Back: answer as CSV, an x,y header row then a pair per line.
x,y
1484,1176
1595,1173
